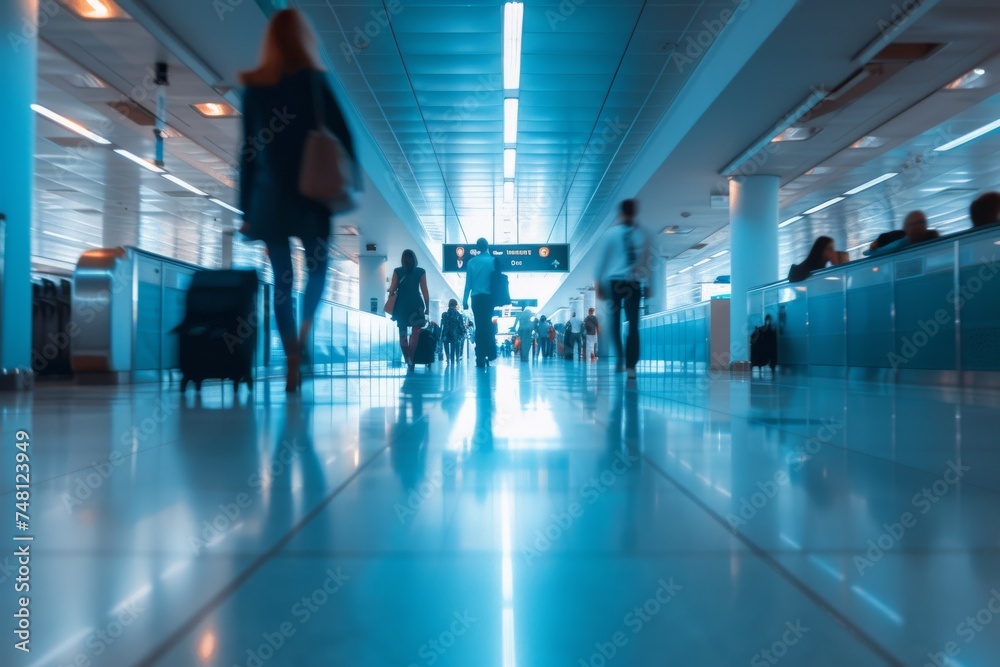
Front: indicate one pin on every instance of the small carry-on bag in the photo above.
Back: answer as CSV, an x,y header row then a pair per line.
x,y
426,345
218,336
764,347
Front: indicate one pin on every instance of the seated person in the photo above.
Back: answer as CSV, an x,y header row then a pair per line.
x,y
821,254
885,238
914,231
985,210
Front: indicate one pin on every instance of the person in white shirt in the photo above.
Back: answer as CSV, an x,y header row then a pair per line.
x,y
576,336
525,328
623,270
479,284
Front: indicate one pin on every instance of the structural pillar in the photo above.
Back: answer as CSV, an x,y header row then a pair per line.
x,y
371,283
753,222
438,307
589,299
19,74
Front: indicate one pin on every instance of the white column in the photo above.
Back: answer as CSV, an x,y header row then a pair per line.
x,y
753,221
371,283
589,300
19,74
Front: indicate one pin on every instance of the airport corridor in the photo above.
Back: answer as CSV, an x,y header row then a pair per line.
x,y
530,515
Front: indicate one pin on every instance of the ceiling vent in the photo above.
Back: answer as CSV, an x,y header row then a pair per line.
x,y
133,112
886,64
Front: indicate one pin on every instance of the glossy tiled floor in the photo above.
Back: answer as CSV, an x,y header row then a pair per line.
x,y
541,515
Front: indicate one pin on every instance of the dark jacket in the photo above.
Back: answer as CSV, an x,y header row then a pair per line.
x,y
276,120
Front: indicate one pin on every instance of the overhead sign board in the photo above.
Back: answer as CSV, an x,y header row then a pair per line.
x,y
548,258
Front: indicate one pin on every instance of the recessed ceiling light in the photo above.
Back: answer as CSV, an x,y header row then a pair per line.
x,y
971,79
826,204
86,80
869,141
796,134
216,110
95,10
819,171
966,138
790,221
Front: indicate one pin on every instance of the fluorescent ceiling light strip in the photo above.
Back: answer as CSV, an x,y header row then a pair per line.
x,y
720,254
138,160
858,247
184,184
68,124
60,236
704,261
510,120
826,204
225,205
509,163
790,221
513,15
685,270
508,191
872,183
966,138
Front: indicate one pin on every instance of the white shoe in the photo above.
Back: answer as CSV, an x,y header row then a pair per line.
x,y
630,373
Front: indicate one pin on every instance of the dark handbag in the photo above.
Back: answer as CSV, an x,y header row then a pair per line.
x,y
499,286
327,174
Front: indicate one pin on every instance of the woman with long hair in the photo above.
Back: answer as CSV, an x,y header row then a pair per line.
x,y
822,253
285,98
409,284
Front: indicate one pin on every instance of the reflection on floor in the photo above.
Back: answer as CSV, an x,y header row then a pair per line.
x,y
551,514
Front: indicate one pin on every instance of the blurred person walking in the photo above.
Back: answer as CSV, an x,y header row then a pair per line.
x,y
479,285
289,78
622,269
411,308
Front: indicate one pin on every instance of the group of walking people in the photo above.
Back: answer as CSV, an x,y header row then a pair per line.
x,y
291,77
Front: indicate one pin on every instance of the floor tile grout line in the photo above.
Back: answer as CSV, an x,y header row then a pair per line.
x,y
848,450
842,619
161,649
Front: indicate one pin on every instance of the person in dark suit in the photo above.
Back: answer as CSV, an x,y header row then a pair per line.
x,y
286,97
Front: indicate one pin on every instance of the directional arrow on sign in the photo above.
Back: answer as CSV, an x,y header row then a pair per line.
x,y
555,263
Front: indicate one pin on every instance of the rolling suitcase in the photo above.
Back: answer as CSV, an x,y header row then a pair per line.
x,y
764,348
218,335
426,346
